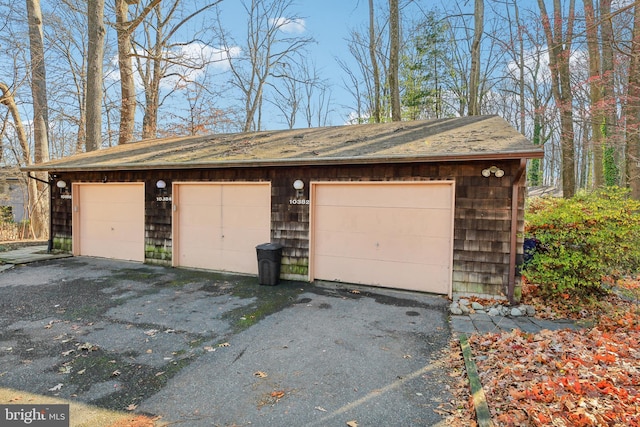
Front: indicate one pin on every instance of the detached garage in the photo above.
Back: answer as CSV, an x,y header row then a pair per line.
x,y
433,206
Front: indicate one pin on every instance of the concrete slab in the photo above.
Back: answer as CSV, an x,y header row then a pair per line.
x,y
505,323
28,254
484,327
527,325
462,324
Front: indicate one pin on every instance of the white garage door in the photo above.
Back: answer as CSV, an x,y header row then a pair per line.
x,y
218,226
396,235
108,220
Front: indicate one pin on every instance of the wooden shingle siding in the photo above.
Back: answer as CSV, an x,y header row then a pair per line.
x,y
481,225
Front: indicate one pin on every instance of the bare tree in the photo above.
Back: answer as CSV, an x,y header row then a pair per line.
x,y
357,89
394,59
474,78
373,44
96,32
608,127
559,42
68,54
632,113
124,29
39,207
38,82
287,97
159,57
316,96
595,92
267,45
35,195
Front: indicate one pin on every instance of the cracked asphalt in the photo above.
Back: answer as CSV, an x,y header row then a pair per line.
x,y
202,348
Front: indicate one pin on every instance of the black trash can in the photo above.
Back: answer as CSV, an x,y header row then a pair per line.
x,y
269,260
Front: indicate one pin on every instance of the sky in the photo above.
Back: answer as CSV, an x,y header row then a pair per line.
x,y
329,23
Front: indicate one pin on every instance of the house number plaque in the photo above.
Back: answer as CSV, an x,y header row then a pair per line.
x,y
299,202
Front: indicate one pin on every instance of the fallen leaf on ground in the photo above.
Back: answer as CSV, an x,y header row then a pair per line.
x,y
131,407
56,387
87,347
278,394
116,373
224,344
355,291
320,408
260,374
352,424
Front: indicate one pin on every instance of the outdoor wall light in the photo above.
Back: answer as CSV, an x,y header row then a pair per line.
x,y
161,185
62,187
298,185
499,173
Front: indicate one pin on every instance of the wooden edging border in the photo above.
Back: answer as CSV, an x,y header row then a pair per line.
x,y
483,416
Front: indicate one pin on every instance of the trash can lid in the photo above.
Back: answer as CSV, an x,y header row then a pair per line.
x,y
269,246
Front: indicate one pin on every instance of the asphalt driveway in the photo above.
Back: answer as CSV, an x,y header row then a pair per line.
x,y
207,349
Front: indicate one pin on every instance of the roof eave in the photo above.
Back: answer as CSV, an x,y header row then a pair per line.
x,y
329,161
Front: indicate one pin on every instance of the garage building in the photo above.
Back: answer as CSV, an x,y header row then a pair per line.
x,y
433,206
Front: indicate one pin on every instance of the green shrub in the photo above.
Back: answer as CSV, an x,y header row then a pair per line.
x,y
582,240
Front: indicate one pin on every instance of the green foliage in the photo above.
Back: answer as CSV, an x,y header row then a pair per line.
x,y
583,240
611,170
535,174
6,214
421,65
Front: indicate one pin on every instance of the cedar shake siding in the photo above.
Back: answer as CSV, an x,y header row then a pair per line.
x,y
481,224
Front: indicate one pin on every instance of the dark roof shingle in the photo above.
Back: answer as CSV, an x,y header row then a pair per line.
x,y
462,138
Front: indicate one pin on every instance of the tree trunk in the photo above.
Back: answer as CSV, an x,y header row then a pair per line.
x,y
96,32
559,46
39,83
38,205
633,111
127,85
394,59
33,192
8,100
521,70
474,78
610,169
152,88
595,93
374,66
124,29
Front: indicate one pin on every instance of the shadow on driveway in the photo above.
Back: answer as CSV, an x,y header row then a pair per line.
x,y
207,349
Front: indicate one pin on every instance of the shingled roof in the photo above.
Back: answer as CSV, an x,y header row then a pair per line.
x,y
465,138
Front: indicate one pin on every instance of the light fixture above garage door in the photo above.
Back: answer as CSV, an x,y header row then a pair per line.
x,y
499,173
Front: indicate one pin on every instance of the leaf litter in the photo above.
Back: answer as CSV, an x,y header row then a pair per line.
x,y
588,377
